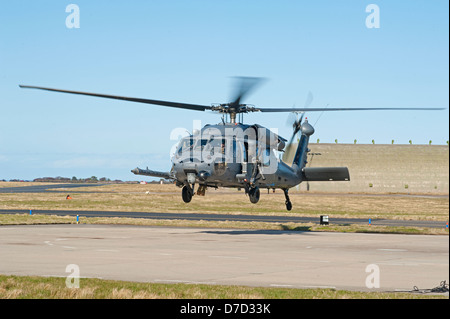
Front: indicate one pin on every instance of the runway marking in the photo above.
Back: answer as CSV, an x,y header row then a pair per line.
x,y
169,280
402,263
393,250
228,257
108,250
47,242
69,247
279,285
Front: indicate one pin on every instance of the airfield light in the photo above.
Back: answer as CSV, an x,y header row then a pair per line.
x,y
324,220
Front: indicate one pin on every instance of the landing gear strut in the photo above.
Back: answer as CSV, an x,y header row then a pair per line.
x,y
288,201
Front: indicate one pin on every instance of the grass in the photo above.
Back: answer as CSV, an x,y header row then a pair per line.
x,y
167,199
30,287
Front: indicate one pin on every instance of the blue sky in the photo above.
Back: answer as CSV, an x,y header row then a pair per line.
x,y
188,51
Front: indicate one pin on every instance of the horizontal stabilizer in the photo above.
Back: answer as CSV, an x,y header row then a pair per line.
x,y
323,174
148,172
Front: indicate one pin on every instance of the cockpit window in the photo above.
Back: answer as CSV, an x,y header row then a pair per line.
x,y
200,144
186,145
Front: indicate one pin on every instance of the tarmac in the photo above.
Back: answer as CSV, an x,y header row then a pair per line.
x,y
351,261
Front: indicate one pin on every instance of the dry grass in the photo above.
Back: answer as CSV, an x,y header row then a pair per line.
x,y
388,168
167,199
14,287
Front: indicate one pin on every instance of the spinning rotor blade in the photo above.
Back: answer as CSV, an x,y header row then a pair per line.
x,y
297,122
195,107
244,87
290,150
322,109
309,100
292,118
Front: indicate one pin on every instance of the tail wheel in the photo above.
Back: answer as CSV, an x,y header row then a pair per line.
x,y
288,205
288,201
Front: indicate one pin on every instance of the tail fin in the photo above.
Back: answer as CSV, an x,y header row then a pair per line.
x,y
302,149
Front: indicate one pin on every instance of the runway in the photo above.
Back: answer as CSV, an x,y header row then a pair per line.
x,y
44,188
228,257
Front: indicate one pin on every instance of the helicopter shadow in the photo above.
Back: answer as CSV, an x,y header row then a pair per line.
x,y
285,230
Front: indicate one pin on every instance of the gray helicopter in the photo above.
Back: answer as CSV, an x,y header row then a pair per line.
x,y
237,155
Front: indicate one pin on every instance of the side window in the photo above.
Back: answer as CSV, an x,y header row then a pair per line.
x,y
245,152
266,157
218,149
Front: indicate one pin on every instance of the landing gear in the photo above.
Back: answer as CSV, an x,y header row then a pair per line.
x,y
201,190
253,194
186,193
288,201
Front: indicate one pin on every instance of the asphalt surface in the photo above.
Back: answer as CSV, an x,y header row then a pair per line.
x,y
43,188
361,262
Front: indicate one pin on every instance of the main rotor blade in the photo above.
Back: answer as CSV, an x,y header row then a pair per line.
x,y
195,107
309,100
245,86
320,109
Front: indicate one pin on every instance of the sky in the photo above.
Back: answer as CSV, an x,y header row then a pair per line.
x,y
190,51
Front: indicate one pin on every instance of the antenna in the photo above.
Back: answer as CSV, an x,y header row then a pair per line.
x,y
321,115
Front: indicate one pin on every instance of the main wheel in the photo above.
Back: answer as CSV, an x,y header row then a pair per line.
x,y
186,194
254,195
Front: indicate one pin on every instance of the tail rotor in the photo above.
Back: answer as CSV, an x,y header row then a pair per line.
x,y
295,119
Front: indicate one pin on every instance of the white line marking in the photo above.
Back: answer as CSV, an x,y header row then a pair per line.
x,y
229,257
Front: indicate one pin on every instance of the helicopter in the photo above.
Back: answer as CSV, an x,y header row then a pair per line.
x,y
232,154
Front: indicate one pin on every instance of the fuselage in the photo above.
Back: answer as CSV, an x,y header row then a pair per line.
x,y
227,155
